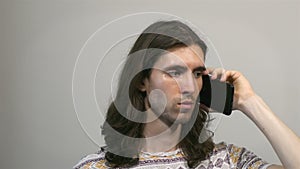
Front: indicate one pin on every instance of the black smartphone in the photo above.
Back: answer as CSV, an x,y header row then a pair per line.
x,y
217,96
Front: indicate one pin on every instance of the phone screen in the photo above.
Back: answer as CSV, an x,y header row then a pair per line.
x,y
216,95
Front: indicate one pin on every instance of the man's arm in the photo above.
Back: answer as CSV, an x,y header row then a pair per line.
x,y
275,167
283,140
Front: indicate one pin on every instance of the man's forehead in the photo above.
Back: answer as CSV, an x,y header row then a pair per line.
x,y
184,56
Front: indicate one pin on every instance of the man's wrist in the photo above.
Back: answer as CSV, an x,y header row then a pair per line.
x,y
250,104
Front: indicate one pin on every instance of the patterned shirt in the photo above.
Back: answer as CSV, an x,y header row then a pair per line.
x,y
223,157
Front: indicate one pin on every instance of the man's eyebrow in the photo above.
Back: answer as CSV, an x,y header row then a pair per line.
x,y
200,68
175,67
183,68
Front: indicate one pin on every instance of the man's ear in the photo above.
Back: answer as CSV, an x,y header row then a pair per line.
x,y
143,85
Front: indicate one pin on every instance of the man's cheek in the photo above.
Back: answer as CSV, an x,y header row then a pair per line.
x,y
158,101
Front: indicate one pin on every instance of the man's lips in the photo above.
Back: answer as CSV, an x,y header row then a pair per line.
x,y
186,104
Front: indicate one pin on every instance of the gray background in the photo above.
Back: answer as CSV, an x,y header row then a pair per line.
x,y
40,41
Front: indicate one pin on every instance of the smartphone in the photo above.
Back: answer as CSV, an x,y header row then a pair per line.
x,y
217,96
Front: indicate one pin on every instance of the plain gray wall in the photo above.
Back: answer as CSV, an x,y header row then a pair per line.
x,y
40,41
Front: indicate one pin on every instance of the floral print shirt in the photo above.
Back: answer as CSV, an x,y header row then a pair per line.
x,y
223,157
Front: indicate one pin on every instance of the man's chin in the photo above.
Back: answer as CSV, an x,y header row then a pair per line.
x,y
182,118
178,118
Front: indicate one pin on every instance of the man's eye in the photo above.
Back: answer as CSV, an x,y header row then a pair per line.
x,y
174,73
197,74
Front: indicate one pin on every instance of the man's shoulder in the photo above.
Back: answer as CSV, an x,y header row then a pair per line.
x,y
95,159
220,148
223,146
241,156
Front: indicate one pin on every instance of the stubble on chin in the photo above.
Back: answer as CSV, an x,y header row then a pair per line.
x,y
177,116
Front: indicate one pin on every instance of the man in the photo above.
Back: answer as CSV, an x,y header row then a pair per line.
x,y
156,120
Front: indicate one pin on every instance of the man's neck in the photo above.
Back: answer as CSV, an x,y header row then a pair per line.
x,y
161,137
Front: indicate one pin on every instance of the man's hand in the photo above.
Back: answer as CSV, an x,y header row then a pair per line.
x,y
285,142
242,87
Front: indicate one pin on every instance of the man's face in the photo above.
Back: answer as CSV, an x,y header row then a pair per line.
x,y
177,76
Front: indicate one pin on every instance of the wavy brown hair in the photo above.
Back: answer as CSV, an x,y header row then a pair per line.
x,y
123,127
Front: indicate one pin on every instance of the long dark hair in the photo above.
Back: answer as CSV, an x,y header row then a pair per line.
x,y
124,121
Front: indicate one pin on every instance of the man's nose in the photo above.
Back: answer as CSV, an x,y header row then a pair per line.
x,y
188,84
